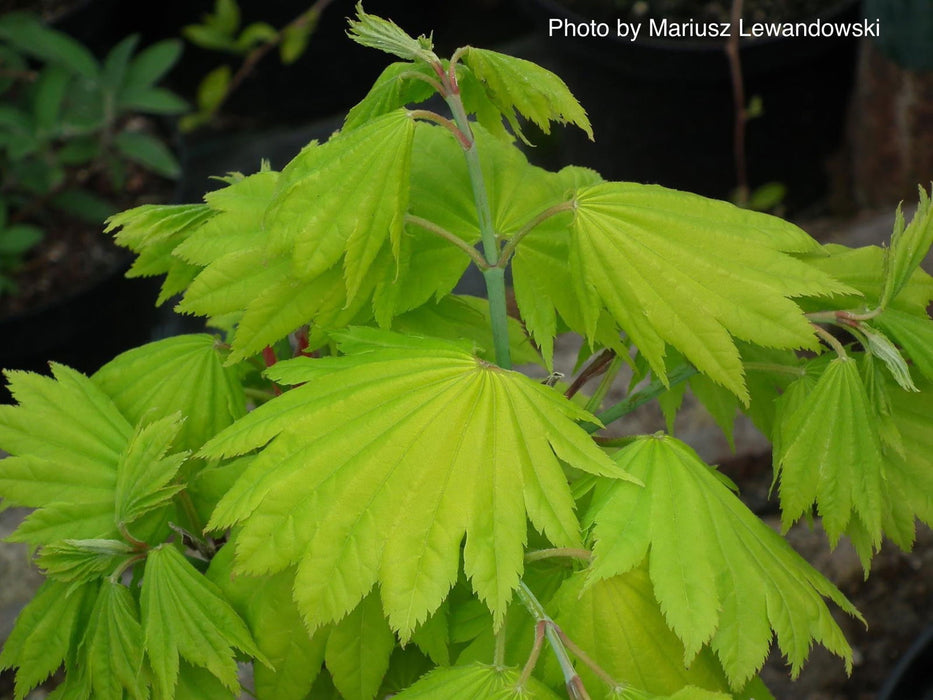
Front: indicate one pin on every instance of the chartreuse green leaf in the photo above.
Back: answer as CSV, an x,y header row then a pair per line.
x,y
185,616
909,475
459,316
722,577
344,199
382,463
675,268
153,231
46,632
385,35
830,455
66,438
113,646
394,88
83,560
519,87
145,470
617,620
183,374
289,302
914,334
909,246
196,683
265,604
236,223
476,681
358,650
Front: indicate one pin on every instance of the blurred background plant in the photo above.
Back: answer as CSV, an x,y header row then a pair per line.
x,y
222,30
72,134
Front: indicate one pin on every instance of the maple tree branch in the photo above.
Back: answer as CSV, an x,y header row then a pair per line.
x,y
493,275
594,369
642,396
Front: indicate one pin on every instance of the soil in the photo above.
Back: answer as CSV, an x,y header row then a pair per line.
x,y
74,254
699,10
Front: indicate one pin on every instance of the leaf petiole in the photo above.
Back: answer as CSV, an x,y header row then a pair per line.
x,y
510,247
431,227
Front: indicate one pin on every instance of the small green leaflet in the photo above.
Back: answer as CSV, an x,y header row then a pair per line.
x,y
909,246
144,471
385,35
383,460
914,334
859,268
185,616
476,681
265,605
183,374
652,257
66,438
515,85
153,231
113,646
343,199
83,560
46,632
720,574
830,454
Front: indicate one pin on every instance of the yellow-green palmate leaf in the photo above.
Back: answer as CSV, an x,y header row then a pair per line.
x,y
519,87
184,374
830,454
380,463
47,632
865,465
679,269
909,246
185,616
723,578
266,606
344,199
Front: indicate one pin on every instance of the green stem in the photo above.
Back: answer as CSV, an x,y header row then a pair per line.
x,y
494,276
498,658
568,552
596,399
498,314
642,396
830,340
430,226
533,605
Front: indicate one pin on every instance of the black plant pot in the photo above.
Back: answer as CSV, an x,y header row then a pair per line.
x,y
84,330
912,678
662,109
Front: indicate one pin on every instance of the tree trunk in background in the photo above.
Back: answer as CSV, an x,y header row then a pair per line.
x,y
891,130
